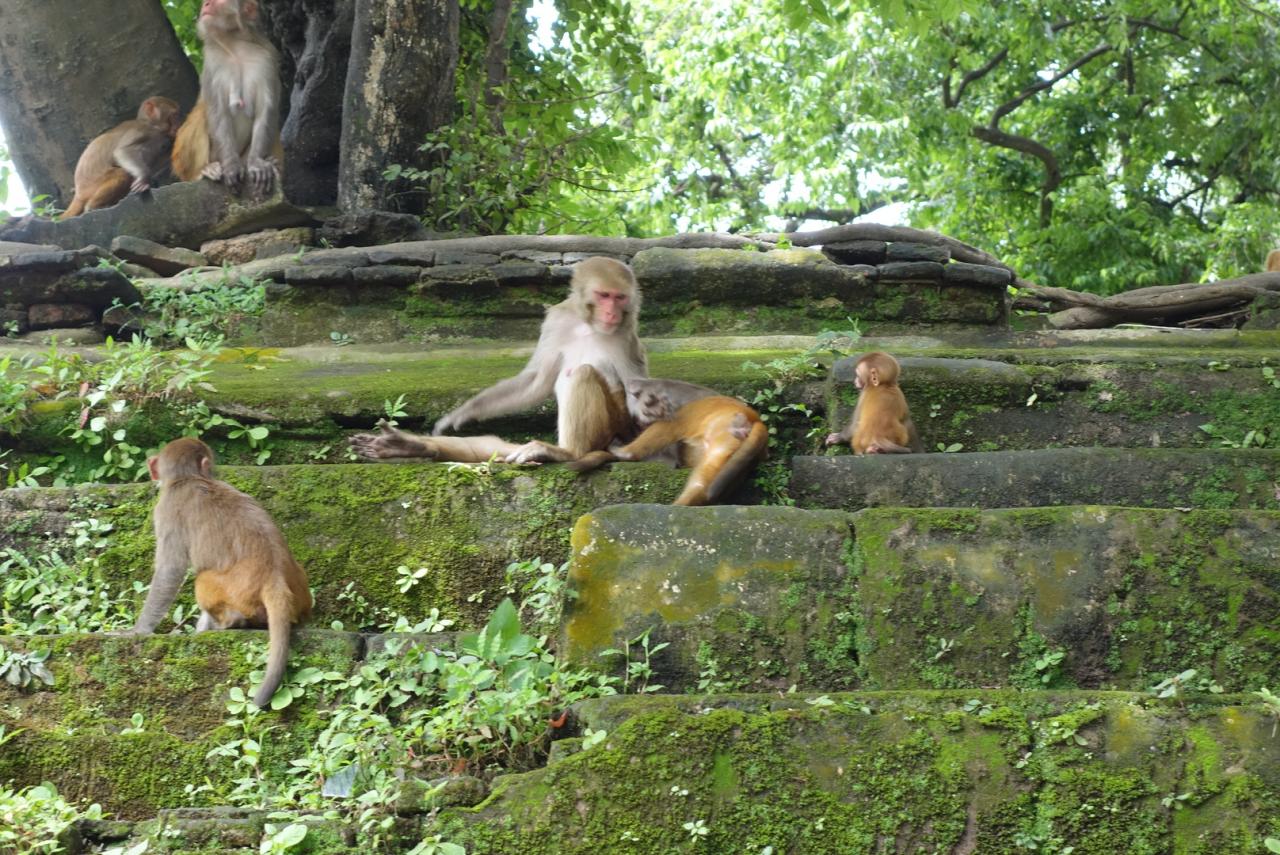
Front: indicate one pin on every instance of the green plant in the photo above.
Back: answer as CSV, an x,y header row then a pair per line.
x,y
544,590
19,669
394,410
61,589
33,819
277,840
204,312
638,671
950,449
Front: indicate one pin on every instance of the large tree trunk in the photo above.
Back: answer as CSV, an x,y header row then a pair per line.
x,y
70,70
400,84
315,42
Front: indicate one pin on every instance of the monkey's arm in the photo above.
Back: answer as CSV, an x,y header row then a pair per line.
x,y
531,386
130,155
262,169
171,570
225,156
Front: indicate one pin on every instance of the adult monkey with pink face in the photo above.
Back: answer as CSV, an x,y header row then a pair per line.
x,y
588,348
233,132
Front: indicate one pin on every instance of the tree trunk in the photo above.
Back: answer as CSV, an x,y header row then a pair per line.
x,y
315,42
400,85
70,70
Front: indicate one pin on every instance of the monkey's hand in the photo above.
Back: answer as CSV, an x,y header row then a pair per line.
x,y
228,172
833,438
263,175
387,443
140,185
449,422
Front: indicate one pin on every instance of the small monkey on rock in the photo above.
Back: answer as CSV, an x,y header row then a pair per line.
x,y
126,159
245,574
881,422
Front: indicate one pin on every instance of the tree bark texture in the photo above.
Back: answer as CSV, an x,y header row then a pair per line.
x,y
314,37
400,85
70,70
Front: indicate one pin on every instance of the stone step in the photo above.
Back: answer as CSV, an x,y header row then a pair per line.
x,y
960,772
1027,391
768,598
1140,477
351,526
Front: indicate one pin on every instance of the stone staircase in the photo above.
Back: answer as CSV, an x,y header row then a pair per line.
x,y
952,652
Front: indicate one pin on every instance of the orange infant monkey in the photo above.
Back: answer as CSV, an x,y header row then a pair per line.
x,y
245,574
719,437
125,159
881,422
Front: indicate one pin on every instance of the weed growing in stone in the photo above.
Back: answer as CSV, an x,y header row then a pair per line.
x,y
117,395
204,313
637,670
410,714
33,819
60,588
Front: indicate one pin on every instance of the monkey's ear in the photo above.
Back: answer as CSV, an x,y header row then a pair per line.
x,y
153,466
250,9
205,466
874,376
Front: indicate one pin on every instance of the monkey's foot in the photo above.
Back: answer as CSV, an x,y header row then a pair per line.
x,y
388,443
230,174
535,452
263,175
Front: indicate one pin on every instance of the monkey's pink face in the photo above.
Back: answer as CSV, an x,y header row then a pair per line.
x,y
608,309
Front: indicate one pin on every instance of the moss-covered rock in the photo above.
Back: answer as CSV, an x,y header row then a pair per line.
x,y
990,772
1142,477
1083,596
80,734
353,525
740,596
764,598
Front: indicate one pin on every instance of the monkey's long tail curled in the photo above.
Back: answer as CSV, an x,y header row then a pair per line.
x,y
753,448
278,600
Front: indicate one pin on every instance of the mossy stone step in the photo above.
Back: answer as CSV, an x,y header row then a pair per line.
x,y
961,772
760,598
1141,477
352,525
923,771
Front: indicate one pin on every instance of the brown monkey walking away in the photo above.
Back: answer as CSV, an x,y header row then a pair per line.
x,y
234,130
1273,261
719,437
245,574
126,159
881,422
587,349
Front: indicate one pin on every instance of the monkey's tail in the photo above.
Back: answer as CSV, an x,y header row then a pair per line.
x,y
752,449
75,209
278,600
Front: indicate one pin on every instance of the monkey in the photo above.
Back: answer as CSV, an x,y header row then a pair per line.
x,y
587,349
245,573
881,422
651,399
126,159
233,132
1273,261
719,438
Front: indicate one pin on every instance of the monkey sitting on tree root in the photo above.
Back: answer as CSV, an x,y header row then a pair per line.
x,y
245,574
126,159
719,437
881,422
